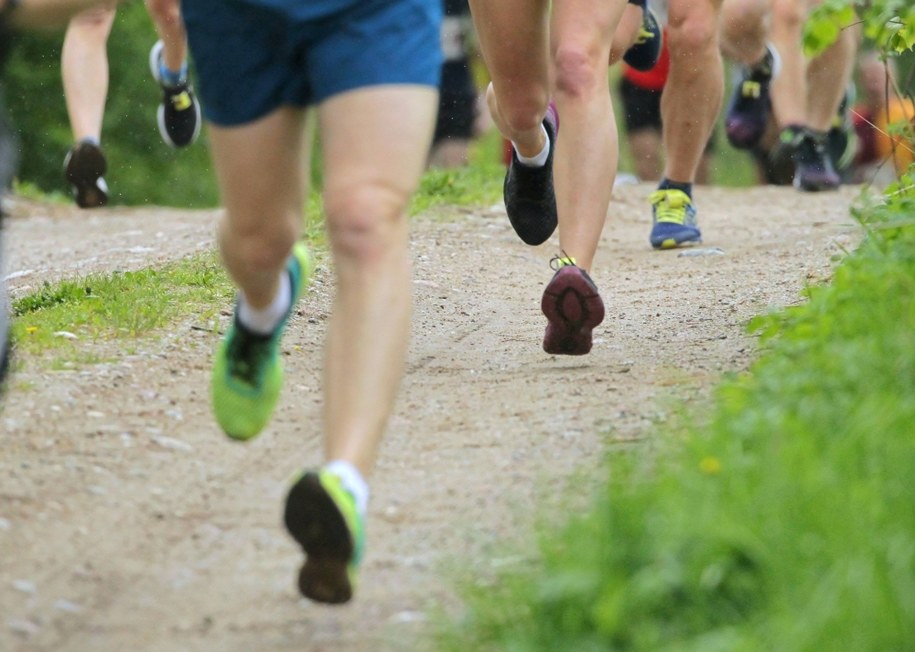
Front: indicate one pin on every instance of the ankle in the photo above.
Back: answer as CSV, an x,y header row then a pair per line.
x,y
172,78
683,186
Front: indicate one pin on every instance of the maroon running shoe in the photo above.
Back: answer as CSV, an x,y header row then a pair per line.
x,y
573,308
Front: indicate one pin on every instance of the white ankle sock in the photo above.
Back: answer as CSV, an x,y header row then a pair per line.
x,y
352,481
539,160
265,320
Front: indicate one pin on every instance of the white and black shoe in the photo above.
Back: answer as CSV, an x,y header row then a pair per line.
x,y
178,115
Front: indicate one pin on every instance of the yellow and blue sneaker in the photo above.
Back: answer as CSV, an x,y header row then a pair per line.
x,y
322,517
247,372
673,219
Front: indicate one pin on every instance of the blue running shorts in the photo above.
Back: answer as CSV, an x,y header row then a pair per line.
x,y
254,56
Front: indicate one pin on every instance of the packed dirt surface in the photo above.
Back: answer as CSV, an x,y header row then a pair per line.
x,y
129,522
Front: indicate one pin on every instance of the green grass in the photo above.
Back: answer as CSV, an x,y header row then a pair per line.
x,y
478,184
31,191
784,521
65,317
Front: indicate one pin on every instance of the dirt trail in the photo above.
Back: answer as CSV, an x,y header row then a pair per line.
x,y
128,522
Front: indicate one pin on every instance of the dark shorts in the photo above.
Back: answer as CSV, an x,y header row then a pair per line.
x,y
642,110
251,59
457,106
641,107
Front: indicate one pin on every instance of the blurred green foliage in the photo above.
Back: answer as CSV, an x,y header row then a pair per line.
x,y
782,521
142,169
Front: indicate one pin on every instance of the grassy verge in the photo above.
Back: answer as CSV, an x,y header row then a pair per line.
x,y
65,318
479,184
784,523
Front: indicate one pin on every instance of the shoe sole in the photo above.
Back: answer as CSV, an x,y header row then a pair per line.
x,y
673,243
315,522
163,130
573,308
84,171
155,53
808,186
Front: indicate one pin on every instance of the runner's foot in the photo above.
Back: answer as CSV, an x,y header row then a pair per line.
x,y
247,372
748,111
528,191
84,167
813,170
673,220
321,515
645,52
573,309
178,116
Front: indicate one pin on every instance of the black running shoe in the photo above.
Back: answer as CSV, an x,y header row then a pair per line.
x,y
84,168
528,192
644,53
813,170
178,115
748,111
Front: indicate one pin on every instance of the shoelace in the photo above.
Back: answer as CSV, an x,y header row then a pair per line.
x,y
246,355
670,205
751,89
644,36
181,100
560,260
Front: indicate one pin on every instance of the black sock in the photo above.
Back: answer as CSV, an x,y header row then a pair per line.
x,y
667,184
638,3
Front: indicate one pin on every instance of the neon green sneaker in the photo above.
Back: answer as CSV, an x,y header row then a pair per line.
x,y
322,517
247,373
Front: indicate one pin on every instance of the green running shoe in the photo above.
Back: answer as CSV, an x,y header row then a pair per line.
x,y
322,517
247,372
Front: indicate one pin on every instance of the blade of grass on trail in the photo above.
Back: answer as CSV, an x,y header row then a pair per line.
x,y
785,522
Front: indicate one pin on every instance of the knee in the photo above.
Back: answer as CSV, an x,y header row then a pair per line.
x,y
257,246
694,32
98,19
364,224
789,14
744,18
743,29
576,73
164,12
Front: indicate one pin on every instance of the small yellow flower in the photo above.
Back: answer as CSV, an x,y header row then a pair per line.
x,y
31,329
710,465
